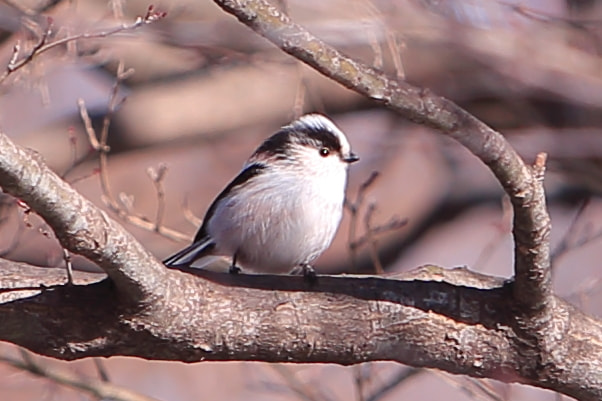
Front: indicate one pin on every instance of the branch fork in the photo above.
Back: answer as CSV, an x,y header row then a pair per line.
x,y
454,320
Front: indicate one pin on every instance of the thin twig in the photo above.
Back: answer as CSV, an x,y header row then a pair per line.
x,y
95,387
359,380
83,112
354,207
14,64
75,159
189,215
371,232
568,240
503,228
300,92
485,388
373,248
38,288
68,266
401,377
102,370
303,391
539,16
393,43
470,387
157,177
103,150
7,205
43,45
119,207
394,223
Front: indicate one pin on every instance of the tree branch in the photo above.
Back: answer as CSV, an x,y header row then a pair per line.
x,y
78,224
454,320
531,221
97,388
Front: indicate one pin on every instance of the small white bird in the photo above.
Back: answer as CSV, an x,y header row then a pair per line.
x,y
284,208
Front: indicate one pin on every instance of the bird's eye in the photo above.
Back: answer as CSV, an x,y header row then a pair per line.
x,y
324,152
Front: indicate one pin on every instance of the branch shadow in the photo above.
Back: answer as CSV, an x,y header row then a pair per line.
x,y
489,306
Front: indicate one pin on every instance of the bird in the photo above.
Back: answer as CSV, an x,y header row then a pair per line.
x,y
284,207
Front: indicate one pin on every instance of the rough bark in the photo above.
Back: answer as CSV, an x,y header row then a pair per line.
x,y
450,319
462,322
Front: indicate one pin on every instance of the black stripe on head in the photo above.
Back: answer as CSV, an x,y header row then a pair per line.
x,y
306,131
278,145
318,136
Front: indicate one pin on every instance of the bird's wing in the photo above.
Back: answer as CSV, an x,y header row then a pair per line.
x,y
188,255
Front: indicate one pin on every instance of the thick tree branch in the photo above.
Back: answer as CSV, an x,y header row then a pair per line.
x,y
531,221
78,224
453,320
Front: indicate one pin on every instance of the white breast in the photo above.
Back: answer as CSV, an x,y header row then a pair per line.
x,y
284,217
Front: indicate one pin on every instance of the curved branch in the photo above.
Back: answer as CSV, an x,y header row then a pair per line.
x,y
531,221
78,224
453,320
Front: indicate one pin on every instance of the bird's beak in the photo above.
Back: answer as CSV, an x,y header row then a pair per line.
x,y
351,158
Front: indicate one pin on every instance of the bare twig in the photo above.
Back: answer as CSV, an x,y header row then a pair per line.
x,y
394,49
7,207
189,215
68,266
537,15
83,111
401,377
101,369
17,61
354,208
157,176
95,387
370,232
394,224
14,64
503,228
39,6
303,391
119,207
575,236
360,378
300,93
473,388
76,221
103,148
75,160
378,267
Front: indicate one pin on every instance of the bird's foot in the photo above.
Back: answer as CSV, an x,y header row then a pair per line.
x,y
234,269
309,274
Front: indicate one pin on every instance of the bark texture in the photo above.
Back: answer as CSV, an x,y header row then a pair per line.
x,y
454,320
512,330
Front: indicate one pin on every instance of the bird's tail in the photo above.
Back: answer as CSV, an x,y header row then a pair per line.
x,y
188,255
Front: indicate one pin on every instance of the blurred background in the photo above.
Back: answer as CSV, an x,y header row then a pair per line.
x,y
203,91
